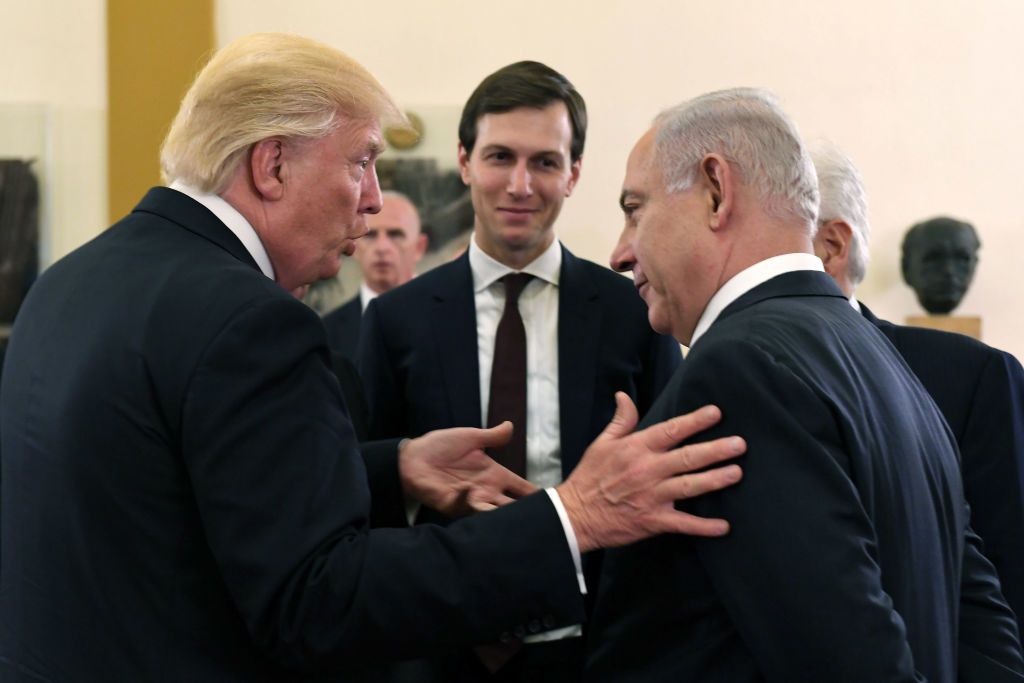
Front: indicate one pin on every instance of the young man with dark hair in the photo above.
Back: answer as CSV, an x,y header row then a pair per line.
x,y
517,328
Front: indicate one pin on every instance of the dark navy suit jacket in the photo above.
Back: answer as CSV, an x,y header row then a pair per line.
x,y
183,498
343,324
849,557
980,391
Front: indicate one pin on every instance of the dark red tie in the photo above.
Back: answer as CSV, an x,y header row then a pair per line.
x,y
508,376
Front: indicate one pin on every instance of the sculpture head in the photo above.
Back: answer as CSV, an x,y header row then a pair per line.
x,y
939,257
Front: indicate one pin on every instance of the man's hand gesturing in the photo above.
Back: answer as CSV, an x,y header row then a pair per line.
x,y
449,471
626,485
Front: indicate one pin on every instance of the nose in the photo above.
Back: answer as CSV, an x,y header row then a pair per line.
x,y
520,181
623,258
370,200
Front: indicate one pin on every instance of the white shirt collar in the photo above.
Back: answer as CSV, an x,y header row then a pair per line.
x,y
234,221
487,271
745,280
366,295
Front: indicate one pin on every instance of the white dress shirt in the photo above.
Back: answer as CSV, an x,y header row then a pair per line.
x,y
748,278
366,295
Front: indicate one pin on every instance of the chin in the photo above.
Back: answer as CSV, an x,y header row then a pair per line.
x,y
657,323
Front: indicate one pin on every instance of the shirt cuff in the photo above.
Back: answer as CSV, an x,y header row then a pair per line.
x,y
570,537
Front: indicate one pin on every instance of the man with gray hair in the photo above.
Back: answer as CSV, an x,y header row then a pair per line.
x,y
849,558
183,498
982,399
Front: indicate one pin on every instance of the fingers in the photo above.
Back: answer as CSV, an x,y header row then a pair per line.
x,y
514,485
625,418
676,522
696,456
693,485
490,499
495,436
670,432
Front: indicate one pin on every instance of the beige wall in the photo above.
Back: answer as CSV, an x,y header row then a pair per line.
x,y
53,97
926,95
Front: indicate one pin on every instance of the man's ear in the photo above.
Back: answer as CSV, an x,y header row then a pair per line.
x,y
464,164
574,176
266,162
832,246
422,241
718,180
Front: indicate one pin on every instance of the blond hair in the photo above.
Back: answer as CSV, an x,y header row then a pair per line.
x,y
260,86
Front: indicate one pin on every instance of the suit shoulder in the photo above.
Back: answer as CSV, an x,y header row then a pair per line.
x,y
940,343
422,286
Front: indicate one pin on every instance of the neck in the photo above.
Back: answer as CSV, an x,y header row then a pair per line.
x,y
516,259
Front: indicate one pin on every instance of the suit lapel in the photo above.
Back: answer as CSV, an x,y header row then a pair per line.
x,y
579,326
453,321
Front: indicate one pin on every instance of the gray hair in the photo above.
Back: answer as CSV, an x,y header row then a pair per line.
x,y
843,198
748,128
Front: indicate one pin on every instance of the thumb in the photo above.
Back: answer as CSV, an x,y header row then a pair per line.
x,y
624,420
498,435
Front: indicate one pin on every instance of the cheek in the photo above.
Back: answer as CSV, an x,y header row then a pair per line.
x,y
491,180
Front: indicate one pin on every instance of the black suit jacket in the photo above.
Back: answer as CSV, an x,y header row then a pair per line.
x,y
980,391
182,494
849,556
343,325
419,357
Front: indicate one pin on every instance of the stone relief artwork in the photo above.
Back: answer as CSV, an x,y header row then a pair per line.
x,y
19,234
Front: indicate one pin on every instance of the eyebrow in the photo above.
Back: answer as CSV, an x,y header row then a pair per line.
x,y
376,147
499,147
626,195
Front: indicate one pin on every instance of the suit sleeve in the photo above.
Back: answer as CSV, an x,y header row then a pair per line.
x,y
798,572
992,448
281,491
989,646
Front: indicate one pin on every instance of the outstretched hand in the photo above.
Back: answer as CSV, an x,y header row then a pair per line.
x,y
626,485
449,471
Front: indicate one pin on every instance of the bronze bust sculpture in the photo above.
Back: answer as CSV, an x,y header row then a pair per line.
x,y
939,257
